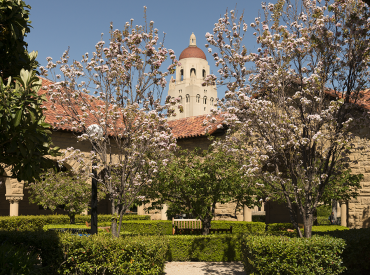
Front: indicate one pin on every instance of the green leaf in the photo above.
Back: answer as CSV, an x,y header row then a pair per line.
x,y
33,117
18,117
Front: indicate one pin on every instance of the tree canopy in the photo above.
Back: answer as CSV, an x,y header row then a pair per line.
x,y
14,26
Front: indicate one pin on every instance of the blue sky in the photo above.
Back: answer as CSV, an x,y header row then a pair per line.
x,y
78,24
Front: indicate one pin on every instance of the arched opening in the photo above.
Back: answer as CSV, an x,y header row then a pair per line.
x,y
180,98
187,98
193,71
181,75
211,101
205,100
204,73
198,98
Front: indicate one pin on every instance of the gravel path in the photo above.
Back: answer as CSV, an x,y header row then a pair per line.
x,y
200,268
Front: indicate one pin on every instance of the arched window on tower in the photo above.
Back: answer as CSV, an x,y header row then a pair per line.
x,y
211,101
180,99
204,73
181,75
198,98
187,98
205,100
193,71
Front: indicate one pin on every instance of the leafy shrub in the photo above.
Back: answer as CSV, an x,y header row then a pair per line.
x,y
240,227
283,255
259,218
104,255
17,260
32,223
211,248
45,244
356,254
155,227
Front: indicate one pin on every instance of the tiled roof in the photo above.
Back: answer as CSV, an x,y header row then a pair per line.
x,y
51,115
192,127
363,100
181,128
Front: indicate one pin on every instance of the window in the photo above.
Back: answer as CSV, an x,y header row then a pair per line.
x,y
192,71
187,98
180,98
198,98
205,100
211,101
204,73
181,75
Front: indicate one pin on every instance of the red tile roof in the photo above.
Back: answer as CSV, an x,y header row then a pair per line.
x,y
181,128
51,114
192,127
363,100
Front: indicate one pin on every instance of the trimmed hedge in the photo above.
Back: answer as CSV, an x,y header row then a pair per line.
x,y
283,255
356,255
32,223
46,244
240,227
211,248
17,260
65,253
155,227
104,255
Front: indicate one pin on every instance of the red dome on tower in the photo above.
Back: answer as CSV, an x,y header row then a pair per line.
x,y
192,52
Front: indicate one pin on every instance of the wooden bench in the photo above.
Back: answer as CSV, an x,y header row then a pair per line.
x,y
106,228
194,227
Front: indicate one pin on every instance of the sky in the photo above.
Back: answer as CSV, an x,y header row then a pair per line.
x,y
78,24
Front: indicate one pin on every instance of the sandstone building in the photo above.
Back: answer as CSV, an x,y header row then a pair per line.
x,y
197,101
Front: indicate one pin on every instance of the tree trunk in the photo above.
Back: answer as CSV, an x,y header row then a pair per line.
x,y
308,225
72,218
206,225
114,227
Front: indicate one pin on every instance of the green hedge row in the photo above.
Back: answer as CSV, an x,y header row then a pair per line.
x,y
356,255
283,255
240,227
155,227
45,244
211,248
105,255
64,253
32,223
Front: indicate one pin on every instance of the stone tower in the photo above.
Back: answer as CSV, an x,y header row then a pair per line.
x,y
195,98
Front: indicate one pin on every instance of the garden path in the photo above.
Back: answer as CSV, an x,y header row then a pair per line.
x,y
203,268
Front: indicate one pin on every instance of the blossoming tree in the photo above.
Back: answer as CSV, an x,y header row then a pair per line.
x,y
119,87
297,111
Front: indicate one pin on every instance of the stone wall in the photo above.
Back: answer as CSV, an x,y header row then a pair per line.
x,y
358,210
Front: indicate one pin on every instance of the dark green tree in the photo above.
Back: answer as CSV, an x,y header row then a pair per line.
x,y
194,181
14,26
25,138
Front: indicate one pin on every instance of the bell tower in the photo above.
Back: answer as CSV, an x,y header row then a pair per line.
x,y
187,85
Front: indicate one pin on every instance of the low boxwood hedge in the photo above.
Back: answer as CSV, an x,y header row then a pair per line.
x,y
240,227
65,253
45,244
104,255
155,227
211,248
356,255
32,223
17,260
283,255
